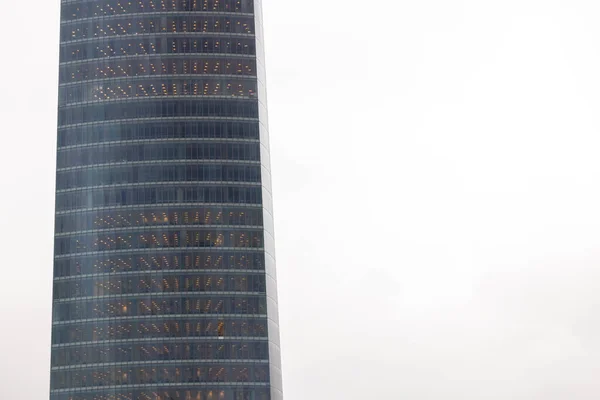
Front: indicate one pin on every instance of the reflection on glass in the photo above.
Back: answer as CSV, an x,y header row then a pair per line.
x,y
159,327
159,131
103,8
120,26
163,283
157,65
195,261
138,353
164,87
133,46
160,288
159,216
136,174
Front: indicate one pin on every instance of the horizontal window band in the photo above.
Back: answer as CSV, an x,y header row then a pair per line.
x,y
143,99
171,68
246,281
191,140
149,386
162,227
158,176
181,339
159,76
132,100
182,162
161,35
162,272
230,14
77,2
158,363
137,47
153,319
135,207
161,184
161,119
165,249
189,119
160,317
214,7
154,295
171,207
145,57
188,133
196,341
159,162
160,238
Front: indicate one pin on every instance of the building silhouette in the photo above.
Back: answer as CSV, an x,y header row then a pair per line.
x,y
164,268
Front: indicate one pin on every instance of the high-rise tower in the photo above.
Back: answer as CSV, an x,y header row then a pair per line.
x,y
164,268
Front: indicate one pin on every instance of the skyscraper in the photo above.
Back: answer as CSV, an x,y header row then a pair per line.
x,y
164,268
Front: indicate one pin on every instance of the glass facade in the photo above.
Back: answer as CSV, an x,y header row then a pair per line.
x,y
164,267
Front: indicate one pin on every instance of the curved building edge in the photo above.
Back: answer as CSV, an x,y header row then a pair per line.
x,y
267,197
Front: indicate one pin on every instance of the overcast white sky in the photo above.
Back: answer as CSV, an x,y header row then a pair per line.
x,y
437,197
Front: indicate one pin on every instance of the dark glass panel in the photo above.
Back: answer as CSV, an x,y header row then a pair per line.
x,y
247,391
155,44
102,8
109,90
159,374
158,283
126,152
159,216
157,350
157,131
183,23
143,173
151,108
190,304
155,238
159,65
166,328
188,260
159,265
126,196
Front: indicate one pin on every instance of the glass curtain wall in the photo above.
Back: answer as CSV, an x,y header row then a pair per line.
x,y
164,280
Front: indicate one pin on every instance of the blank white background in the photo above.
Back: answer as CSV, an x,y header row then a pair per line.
x,y
437,199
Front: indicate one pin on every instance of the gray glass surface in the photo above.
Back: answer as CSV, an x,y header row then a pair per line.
x,y
164,281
